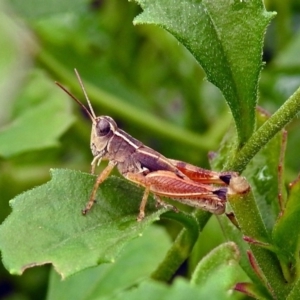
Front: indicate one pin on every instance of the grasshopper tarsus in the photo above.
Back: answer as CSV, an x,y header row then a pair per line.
x,y
140,216
88,207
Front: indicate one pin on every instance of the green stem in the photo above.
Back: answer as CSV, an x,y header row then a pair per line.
x,y
252,227
183,244
266,132
120,108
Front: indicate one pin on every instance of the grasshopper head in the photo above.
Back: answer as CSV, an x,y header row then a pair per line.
x,y
103,127
103,130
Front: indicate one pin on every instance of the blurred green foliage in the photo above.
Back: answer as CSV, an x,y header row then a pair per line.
x,y
143,67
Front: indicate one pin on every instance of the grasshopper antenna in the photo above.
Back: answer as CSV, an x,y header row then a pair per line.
x,y
85,94
91,113
74,98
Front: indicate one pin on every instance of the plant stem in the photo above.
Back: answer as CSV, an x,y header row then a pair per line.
x,y
252,227
183,244
266,132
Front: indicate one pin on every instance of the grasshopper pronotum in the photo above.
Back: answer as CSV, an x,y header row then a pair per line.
x,y
159,175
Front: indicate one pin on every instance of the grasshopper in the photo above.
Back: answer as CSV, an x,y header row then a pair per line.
x,y
161,176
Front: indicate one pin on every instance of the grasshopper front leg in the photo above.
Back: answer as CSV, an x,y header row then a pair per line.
x,y
101,177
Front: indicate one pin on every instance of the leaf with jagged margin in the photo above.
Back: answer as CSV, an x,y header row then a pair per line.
x,y
46,224
226,38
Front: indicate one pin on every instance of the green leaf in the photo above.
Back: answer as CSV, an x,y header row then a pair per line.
x,y
295,291
152,290
46,224
42,115
183,244
135,262
180,289
218,272
226,38
17,48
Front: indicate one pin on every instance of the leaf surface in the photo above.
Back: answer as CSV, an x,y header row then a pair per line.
x,y
226,38
41,115
136,261
46,224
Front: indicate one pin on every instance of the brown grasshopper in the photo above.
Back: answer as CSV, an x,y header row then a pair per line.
x,y
159,175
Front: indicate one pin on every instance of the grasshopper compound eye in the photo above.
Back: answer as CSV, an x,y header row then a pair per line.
x,y
102,127
105,125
